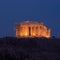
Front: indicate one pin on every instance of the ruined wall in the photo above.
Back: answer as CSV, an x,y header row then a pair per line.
x,y
32,29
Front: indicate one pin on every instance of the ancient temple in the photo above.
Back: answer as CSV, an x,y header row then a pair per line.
x,y
32,29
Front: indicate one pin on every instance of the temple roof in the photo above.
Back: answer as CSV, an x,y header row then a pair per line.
x,y
31,22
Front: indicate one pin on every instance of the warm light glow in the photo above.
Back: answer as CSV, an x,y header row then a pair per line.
x,y
33,34
30,29
21,34
47,36
26,34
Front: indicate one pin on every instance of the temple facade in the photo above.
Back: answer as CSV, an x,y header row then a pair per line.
x,y
32,29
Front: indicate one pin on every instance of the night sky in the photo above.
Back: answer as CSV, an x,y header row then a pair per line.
x,y
12,11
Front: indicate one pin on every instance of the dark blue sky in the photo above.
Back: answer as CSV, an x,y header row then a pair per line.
x,y
12,11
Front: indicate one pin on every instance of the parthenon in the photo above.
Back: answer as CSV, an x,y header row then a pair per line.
x,y
32,29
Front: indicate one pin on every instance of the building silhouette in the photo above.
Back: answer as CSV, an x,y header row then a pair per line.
x,y
32,29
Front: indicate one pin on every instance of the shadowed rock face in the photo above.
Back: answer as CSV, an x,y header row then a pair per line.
x,y
12,48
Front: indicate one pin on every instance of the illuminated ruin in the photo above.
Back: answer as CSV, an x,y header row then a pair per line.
x,y
32,29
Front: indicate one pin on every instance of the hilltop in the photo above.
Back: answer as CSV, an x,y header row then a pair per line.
x,y
29,48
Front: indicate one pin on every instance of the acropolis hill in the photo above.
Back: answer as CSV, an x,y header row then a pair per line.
x,y
32,29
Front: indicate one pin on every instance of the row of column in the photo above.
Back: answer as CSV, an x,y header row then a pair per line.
x,y
29,31
35,31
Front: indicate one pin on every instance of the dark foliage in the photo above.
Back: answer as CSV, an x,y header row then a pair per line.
x,y
12,48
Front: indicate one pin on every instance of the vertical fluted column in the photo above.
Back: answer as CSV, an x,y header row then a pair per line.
x,y
37,31
31,30
21,30
17,30
28,30
34,30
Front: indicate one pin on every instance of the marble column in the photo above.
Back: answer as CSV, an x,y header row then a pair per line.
x,y
37,31
29,28
31,31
